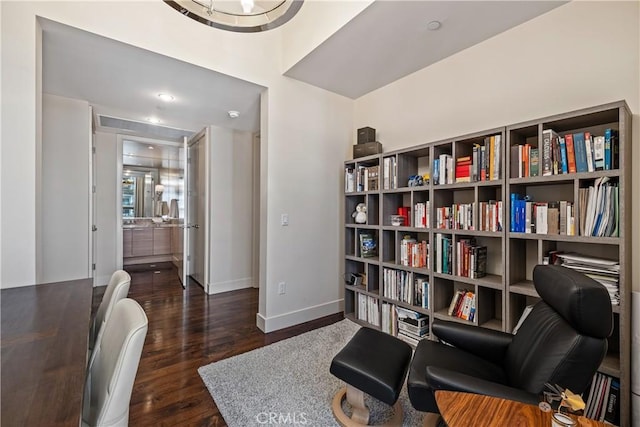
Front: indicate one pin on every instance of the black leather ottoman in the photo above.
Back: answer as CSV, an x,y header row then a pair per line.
x,y
375,363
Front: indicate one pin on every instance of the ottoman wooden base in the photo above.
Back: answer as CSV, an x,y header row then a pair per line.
x,y
360,412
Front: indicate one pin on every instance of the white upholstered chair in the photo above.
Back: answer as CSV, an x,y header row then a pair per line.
x,y
113,367
117,289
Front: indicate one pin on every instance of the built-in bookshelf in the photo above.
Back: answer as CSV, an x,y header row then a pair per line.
x,y
459,225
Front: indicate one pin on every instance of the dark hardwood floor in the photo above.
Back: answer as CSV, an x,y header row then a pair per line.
x,y
189,329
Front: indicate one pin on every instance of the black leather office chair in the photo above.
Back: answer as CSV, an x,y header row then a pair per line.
x,y
562,341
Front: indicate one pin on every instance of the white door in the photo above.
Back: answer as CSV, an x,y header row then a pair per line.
x,y
196,231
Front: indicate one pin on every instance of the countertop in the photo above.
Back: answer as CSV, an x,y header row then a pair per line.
x,y
148,223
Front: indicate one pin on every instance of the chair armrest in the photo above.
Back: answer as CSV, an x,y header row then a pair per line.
x,y
485,343
445,379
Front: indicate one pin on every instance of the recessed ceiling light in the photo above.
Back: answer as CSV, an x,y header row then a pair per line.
x,y
166,97
150,147
434,25
234,114
154,120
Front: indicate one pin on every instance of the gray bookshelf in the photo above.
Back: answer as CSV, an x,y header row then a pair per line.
x,y
502,295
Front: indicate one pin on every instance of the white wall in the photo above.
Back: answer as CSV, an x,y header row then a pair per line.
x,y
107,216
304,142
18,168
64,237
304,181
231,210
316,22
558,62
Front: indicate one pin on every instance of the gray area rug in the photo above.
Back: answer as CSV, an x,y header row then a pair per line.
x,y
288,383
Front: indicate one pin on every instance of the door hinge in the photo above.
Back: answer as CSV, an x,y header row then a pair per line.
x,y
93,188
93,149
188,257
94,228
93,266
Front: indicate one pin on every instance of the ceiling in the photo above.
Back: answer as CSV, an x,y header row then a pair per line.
x,y
124,81
385,42
390,40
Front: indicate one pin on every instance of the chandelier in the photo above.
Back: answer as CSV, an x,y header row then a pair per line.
x,y
245,16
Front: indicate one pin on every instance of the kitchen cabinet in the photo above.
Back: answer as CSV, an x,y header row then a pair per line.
x,y
161,241
127,237
142,243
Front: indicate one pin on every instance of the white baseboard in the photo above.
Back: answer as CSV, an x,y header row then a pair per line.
x,y
270,324
230,285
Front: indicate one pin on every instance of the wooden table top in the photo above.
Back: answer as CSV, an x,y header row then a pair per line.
x,y
45,332
466,409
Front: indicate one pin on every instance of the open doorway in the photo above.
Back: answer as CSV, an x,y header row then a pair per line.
x,y
132,105
151,187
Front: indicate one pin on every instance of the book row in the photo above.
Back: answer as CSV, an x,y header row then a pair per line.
x,y
414,253
443,254
471,259
556,217
483,164
602,402
559,154
361,178
367,309
569,153
389,173
421,215
401,286
462,216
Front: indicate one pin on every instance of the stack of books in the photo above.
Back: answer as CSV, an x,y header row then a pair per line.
x,y
463,305
603,271
463,169
412,326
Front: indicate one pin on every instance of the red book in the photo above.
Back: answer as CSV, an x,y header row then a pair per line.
x,y
463,170
571,154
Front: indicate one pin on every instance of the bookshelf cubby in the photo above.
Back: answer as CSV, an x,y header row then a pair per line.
x,y
483,209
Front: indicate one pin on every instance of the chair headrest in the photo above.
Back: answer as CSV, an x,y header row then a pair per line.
x,y
584,303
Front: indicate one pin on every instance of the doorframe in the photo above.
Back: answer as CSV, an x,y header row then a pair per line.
x,y
119,168
203,136
92,200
